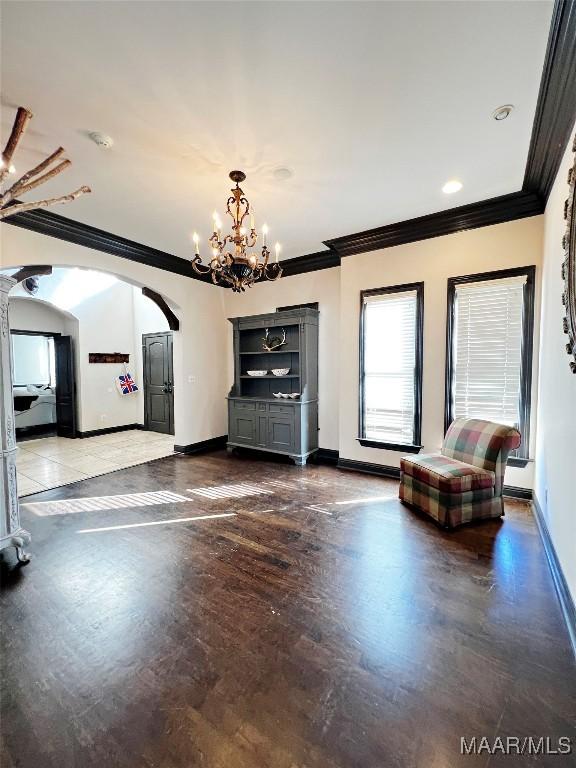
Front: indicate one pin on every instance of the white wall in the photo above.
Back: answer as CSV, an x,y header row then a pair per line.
x,y
556,441
200,351
323,287
147,318
33,315
105,323
513,244
202,348
337,290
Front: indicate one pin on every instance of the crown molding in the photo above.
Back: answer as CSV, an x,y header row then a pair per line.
x,y
54,225
556,106
310,263
497,210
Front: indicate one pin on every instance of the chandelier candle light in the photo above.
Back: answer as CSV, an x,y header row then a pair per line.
x,y
238,268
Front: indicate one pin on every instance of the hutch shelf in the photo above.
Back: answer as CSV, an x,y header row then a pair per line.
x,y
256,419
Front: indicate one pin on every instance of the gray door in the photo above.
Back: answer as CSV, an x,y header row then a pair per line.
x,y
158,382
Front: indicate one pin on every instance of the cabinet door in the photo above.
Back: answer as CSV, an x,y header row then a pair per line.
x,y
281,432
243,428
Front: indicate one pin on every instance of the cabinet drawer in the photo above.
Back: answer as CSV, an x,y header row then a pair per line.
x,y
273,408
238,405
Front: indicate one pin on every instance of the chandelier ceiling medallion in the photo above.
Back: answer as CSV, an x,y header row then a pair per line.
x,y
237,267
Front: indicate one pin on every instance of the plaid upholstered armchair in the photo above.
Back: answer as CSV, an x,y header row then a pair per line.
x,y
464,482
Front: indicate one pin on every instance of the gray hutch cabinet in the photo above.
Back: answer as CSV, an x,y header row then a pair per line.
x,y
257,419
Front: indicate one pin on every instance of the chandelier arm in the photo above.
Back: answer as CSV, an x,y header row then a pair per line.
x,y
229,202
216,265
272,268
201,269
218,278
243,201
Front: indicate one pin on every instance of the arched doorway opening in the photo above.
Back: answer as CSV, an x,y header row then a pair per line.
x,y
107,319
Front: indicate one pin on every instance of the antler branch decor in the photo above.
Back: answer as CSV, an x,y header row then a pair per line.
x,y
31,179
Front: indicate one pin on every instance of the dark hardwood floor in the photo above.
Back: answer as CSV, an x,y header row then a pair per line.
x,y
321,624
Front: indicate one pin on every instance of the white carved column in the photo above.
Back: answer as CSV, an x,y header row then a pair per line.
x,y
11,532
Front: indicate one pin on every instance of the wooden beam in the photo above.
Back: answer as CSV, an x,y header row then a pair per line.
x,y
173,322
26,272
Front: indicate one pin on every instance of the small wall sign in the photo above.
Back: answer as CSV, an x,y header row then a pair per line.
x,y
108,357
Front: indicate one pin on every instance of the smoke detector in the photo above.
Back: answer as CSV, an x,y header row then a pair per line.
x,y
103,141
283,174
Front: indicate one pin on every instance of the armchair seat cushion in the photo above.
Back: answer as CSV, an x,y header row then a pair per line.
x,y
447,475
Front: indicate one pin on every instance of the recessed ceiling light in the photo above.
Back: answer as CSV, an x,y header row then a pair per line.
x,y
501,113
452,186
283,174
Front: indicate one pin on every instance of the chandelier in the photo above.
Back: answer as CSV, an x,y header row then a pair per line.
x,y
237,267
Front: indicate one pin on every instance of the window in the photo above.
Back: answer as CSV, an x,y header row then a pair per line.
x,y
391,367
489,349
33,360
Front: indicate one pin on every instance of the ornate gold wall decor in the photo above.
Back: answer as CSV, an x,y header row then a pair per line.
x,y
238,268
569,265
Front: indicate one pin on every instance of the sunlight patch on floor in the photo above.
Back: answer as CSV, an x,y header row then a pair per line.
x,y
367,500
157,522
102,503
230,491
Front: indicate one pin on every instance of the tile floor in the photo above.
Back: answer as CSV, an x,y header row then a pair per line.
x,y
50,462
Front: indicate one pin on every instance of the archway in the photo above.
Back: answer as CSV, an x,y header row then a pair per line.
x,y
110,306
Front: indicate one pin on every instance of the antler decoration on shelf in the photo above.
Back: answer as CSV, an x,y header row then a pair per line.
x,y
32,178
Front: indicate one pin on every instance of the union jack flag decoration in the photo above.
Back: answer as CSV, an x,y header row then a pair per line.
x,y
127,384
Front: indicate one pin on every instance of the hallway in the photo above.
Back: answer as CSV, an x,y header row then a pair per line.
x,y
54,461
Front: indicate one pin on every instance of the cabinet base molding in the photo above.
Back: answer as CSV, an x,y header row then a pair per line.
x,y
298,459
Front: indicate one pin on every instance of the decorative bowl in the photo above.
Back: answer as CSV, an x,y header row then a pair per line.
x,y
294,396
284,396
256,373
277,394
280,371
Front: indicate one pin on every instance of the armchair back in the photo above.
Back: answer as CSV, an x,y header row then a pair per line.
x,y
483,444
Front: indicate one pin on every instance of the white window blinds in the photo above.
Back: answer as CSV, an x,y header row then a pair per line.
x,y
389,367
487,350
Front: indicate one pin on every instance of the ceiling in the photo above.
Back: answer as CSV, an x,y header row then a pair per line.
x,y
371,105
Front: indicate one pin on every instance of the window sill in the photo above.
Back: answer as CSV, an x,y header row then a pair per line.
x,y
517,461
367,443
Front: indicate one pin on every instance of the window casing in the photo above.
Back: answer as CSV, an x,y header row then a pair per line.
x,y
391,322
489,350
